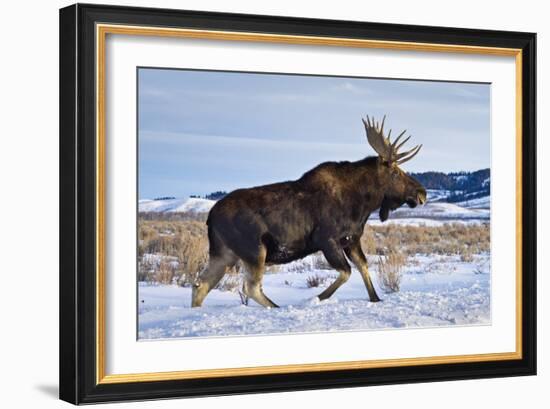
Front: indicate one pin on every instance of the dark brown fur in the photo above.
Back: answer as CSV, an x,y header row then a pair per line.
x,y
325,210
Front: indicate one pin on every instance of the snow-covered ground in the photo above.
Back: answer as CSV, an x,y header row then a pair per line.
x,y
440,211
435,291
480,203
188,204
435,195
422,221
432,213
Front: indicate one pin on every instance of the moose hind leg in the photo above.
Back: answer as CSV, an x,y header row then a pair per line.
x,y
355,253
209,278
335,257
253,289
252,286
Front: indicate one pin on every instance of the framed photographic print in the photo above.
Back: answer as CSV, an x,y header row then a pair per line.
x,y
257,203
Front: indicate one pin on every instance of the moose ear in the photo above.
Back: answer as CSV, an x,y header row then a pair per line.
x,y
384,213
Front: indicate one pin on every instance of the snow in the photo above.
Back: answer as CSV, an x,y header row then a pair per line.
x,y
190,204
435,291
433,213
420,221
435,195
439,211
480,203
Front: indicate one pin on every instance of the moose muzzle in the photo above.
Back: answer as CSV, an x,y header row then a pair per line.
x,y
419,198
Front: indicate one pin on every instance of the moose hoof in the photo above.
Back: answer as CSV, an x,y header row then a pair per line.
x,y
198,293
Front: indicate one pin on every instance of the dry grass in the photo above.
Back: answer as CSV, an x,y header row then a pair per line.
x,y
321,263
449,239
166,273
316,280
230,282
182,246
186,241
390,270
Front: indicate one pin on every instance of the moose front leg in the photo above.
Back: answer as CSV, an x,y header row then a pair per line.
x,y
356,255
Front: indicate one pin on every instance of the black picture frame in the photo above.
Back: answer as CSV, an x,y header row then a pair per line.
x,y
78,236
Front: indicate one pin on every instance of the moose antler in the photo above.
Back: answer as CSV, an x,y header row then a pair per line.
x,y
389,151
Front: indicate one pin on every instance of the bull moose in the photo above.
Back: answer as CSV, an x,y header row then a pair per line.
x,y
325,210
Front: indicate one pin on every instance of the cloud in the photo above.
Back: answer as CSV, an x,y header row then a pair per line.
x,y
155,93
184,139
352,88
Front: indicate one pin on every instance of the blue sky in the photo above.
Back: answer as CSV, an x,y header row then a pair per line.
x,y
202,131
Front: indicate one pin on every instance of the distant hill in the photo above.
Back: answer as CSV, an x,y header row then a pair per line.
x,y
190,205
216,195
469,190
458,186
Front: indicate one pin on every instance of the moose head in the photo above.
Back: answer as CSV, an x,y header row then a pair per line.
x,y
399,188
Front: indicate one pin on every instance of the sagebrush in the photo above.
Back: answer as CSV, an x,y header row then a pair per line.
x,y
390,270
174,249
